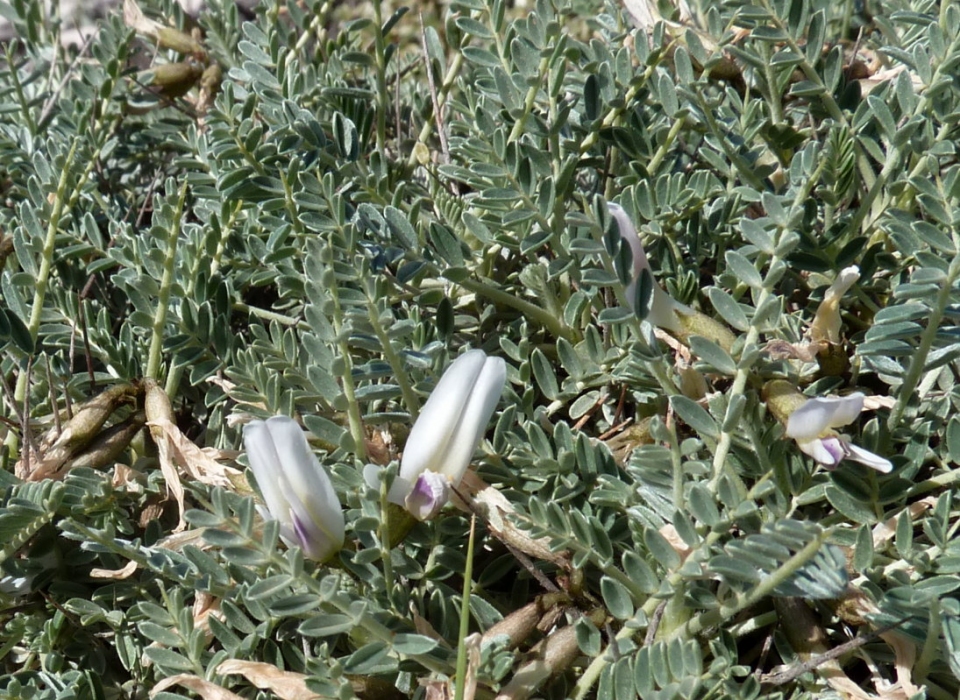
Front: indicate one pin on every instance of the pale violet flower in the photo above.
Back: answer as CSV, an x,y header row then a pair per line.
x,y
441,443
812,425
296,489
663,307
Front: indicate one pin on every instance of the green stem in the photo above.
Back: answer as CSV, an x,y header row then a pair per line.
x,y
615,112
49,247
753,336
175,374
266,314
349,391
712,618
166,287
746,170
12,62
919,358
530,100
380,48
43,275
308,34
291,205
554,326
399,371
661,153
707,619
776,109
465,615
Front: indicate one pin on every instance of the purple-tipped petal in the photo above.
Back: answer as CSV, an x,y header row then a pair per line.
x,y
265,463
436,426
452,422
296,489
827,451
428,496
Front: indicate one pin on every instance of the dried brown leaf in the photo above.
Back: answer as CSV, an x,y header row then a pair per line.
x,y
205,689
885,531
286,685
115,574
498,512
195,461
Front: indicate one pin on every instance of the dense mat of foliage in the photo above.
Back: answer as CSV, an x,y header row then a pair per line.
x,y
312,209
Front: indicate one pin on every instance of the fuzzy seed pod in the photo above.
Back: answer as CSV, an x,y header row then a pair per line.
x,y
109,445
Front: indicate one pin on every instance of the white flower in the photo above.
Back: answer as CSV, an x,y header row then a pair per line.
x,y
827,323
296,489
447,432
663,307
812,425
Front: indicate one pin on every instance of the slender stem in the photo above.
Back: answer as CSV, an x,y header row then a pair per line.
x,y
530,100
266,314
707,619
776,109
753,336
554,325
349,391
166,286
316,26
453,70
384,537
919,358
661,153
767,585
380,48
745,169
465,615
49,246
399,371
615,112
291,205
18,88
175,374
43,277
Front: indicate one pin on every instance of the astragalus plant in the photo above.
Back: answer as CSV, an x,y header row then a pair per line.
x,y
313,209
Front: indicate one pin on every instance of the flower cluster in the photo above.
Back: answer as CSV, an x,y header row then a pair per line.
x,y
299,495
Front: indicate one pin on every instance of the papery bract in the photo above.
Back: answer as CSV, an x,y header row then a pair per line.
x,y
447,432
827,323
295,488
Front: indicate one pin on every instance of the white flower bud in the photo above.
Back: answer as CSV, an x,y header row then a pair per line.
x,y
296,489
663,307
445,436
